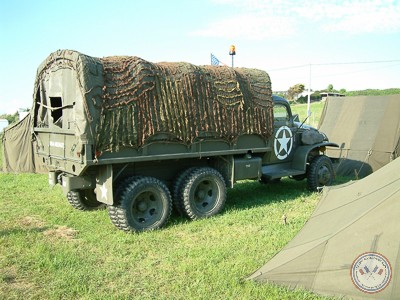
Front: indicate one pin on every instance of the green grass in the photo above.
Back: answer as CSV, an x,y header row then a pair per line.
x,y
316,110
48,250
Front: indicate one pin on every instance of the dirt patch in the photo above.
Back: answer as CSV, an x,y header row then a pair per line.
x,y
61,232
54,233
32,222
12,282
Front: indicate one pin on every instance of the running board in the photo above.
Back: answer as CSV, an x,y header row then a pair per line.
x,y
275,171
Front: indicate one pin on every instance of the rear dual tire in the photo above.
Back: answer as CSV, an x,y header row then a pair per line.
x,y
144,204
199,193
84,200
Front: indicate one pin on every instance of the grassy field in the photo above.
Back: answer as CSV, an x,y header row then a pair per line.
x,y
48,250
316,110
1,152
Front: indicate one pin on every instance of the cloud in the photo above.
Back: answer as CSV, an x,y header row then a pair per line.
x,y
249,26
354,17
260,19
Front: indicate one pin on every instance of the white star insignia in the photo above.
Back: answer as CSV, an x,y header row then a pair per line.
x,y
284,138
103,191
283,141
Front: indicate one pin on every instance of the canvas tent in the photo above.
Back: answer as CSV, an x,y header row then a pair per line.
x,y
367,129
349,220
18,149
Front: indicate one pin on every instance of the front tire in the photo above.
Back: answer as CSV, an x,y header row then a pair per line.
x,y
203,194
145,204
84,200
320,173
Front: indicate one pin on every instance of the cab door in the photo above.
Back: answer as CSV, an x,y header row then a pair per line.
x,y
284,134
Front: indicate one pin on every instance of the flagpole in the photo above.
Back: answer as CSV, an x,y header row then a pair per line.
x,y
232,52
309,97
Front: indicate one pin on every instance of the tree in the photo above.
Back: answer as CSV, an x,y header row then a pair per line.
x,y
329,88
295,91
11,118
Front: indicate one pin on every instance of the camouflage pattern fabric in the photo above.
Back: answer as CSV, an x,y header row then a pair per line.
x,y
180,102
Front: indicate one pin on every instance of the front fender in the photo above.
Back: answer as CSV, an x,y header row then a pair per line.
x,y
300,156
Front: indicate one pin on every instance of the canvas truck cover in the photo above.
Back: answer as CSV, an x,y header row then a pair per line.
x,y
67,94
367,128
123,101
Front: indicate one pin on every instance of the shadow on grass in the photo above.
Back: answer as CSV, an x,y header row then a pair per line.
x,y
24,231
249,194
253,193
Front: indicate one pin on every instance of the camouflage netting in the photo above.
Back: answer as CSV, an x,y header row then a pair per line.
x,y
128,102
180,102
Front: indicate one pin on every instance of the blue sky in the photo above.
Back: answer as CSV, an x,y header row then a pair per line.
x,y
269,35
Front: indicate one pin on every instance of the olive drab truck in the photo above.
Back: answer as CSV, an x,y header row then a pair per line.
x,y
144,138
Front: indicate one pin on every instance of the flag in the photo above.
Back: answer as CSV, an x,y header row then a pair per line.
x,y
214,60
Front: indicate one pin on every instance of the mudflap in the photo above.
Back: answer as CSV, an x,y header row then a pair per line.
x,y
71,183
104,184
52,178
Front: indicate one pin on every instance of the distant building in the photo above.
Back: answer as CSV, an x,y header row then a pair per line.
x,y
283,93
3,124
325,95
22,114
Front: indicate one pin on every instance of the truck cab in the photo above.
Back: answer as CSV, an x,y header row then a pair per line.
x,y
295,146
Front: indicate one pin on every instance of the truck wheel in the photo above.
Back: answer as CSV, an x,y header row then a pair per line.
x,y
320,173
122,185
145,204
204,193
177,191
120,188
84,200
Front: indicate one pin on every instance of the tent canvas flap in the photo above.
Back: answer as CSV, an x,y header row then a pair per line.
x,y
18,149
350,220
367,129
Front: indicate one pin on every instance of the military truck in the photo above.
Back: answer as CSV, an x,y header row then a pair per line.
x,y
143,138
